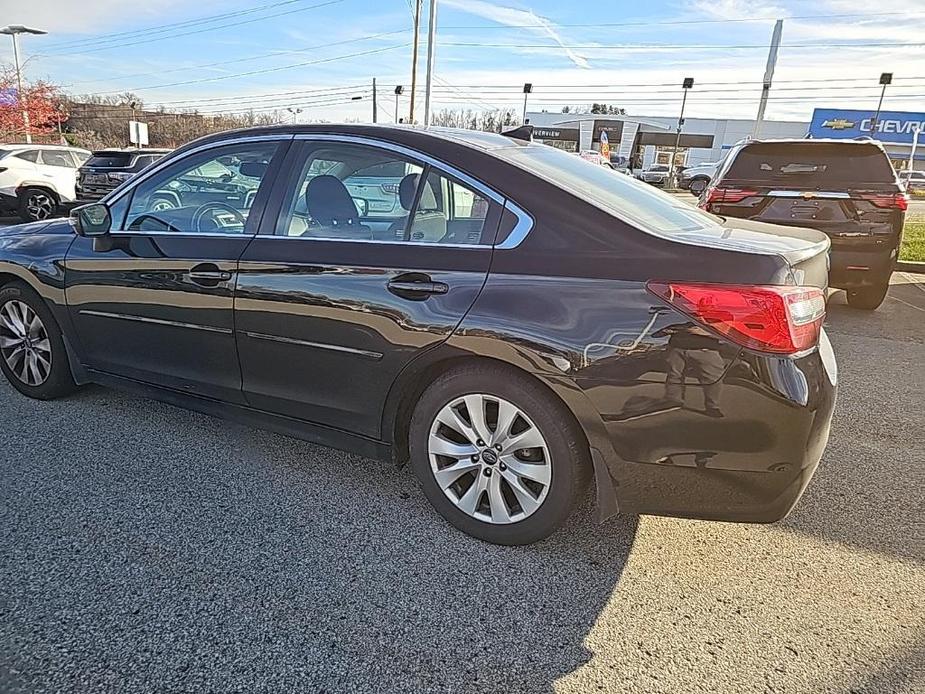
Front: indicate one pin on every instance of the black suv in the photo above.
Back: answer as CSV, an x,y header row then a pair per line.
x,y
846,189
107,169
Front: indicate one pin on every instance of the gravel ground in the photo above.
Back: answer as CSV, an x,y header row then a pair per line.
x,y
148,549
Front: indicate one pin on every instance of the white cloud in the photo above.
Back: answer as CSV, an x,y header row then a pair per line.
x,y
510,16
92,16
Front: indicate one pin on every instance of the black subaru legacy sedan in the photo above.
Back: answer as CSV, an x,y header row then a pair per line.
x,y
518,324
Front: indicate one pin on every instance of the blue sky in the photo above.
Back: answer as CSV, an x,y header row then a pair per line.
x,y
631,54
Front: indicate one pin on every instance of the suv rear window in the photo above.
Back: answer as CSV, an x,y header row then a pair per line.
x,y
811,164
110,160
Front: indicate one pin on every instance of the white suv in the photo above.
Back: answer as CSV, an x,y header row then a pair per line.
x,y
35,180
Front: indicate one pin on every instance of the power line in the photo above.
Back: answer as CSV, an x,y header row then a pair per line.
x,y
197,31
256,72
274,54
675,46
160,28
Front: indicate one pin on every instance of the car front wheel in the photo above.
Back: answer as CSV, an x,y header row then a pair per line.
x,y
36,204
497,455
32,353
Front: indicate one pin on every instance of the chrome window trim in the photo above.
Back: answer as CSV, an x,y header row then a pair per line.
x,y
184,234
167,160
518,233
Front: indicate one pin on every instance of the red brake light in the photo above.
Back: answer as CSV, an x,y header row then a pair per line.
x,y
887,200
724,195
780,320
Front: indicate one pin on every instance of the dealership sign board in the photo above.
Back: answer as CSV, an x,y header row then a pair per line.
x,y
892,126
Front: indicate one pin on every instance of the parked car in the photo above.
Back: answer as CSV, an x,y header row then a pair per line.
x,y
37,181
107,169
912,180
696,178
526,321
595,157
844,188
657,174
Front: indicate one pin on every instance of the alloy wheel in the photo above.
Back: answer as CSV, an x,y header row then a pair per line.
x,y
40,206
489,459
24,343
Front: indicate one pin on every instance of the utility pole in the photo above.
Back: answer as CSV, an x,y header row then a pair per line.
x,y
431,35
14,30
688,83
885,79
375,105
418,5
768,75
915,146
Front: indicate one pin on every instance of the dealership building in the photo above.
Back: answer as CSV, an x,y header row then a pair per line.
x,y
646,140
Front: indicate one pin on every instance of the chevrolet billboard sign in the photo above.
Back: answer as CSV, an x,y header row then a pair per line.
x,y
897,127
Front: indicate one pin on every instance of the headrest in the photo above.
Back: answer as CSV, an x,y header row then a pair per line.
x,y
407,189
329,203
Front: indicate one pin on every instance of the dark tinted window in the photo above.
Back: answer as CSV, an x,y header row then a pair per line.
x,y
808,163
110,160
29,155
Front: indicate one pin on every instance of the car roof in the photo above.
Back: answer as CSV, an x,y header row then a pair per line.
x,y
20,145
131,150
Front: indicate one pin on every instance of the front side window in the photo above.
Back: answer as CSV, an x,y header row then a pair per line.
x,y
209,192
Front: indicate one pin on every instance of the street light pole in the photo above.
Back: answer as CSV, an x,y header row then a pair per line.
x,y
431,35
418,4
885,79
528,89
14,30
768,75
688,83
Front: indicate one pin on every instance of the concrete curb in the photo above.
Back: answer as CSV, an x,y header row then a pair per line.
x,y
910,266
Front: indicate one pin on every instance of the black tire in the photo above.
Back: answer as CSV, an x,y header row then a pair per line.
x,y
569,456
37,204
698,185
868,298
59,381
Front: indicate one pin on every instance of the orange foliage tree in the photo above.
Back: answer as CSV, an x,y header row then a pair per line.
x,y
43,101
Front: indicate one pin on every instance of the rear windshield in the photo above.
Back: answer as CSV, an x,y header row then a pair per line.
x,y
110,160
807,163
626,198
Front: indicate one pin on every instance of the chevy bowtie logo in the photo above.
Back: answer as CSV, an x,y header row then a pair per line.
x,y
808,195
838,124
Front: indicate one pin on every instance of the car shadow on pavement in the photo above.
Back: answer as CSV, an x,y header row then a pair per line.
x,y
169,551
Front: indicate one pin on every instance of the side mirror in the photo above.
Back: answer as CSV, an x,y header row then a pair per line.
x,y
362,205
91,220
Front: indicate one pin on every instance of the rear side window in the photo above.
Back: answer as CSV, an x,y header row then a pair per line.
x,y
808,163
29,155
110,160
52,157
626,198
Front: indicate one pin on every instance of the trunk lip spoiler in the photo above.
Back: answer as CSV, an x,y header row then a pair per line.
x,y
810,194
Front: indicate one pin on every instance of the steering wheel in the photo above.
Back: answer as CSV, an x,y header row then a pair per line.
x,y
211,208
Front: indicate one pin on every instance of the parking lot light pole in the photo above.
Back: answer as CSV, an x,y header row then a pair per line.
x,y
14,30
688,83
885,79
528,89
398,92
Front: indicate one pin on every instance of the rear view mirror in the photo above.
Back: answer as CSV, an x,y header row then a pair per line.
x,y
91,220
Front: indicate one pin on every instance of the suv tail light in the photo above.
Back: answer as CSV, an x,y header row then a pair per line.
x,y
896,201
724,195
779,320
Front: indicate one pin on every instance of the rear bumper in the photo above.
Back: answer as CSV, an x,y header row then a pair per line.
x,y
859,267
741,449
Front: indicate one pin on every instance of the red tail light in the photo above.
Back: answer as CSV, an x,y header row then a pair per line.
x,y
896,201
724,195
780,320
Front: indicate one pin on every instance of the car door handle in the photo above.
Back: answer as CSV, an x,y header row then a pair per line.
x,y
422,286
208,275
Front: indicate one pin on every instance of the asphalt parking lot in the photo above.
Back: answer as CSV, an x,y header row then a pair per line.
x,y
149,549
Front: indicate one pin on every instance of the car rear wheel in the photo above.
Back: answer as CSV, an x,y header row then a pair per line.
x,y
36,204
32,354
497,456
868,298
